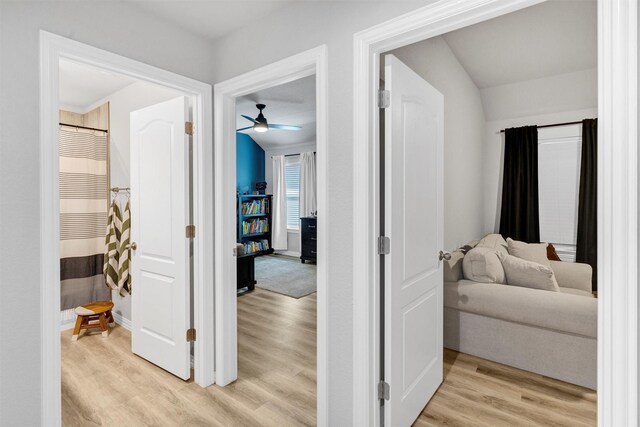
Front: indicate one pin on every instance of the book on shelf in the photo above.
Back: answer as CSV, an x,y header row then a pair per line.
x,y
255,226
254,207
256,246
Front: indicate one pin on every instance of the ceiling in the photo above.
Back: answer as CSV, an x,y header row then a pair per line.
x,y
292,103
82,86
552,38
210,19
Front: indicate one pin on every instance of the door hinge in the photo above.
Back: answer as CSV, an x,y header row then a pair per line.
x,y
191,335
190,231
384,98
384,245
383,390
188,128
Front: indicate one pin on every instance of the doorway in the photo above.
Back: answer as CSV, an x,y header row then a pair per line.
x,y
55,49
304,65
441,18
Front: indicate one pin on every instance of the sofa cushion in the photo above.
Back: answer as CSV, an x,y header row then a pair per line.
x,y
528,274
452,268
573,291
536,252
550,310
552,255
495,241
481,264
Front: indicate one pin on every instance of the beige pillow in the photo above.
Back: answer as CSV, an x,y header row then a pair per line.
x,y
494,241
483,265
528,274
536,252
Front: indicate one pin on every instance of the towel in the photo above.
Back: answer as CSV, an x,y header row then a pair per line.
x,y
112,246
124,280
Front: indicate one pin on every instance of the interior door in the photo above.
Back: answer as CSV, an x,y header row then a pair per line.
x,y
160,267
413,186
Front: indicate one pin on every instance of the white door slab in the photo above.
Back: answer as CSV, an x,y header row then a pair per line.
x,y
160,299
414,142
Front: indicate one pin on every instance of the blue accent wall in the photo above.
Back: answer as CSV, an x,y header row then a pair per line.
x,y
249,163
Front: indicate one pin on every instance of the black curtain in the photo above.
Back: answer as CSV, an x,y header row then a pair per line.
x,y
519,216
587,239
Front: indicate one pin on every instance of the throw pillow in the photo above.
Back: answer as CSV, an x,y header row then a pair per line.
x,y
483,265
552,255
536,252
528,274
495,241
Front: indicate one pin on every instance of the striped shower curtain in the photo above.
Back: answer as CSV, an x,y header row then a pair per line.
x,y
83,216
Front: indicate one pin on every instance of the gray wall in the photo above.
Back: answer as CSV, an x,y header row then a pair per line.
x,y
114,26
298,27
464,128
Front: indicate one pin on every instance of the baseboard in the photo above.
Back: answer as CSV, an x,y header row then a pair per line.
x,y
289,253
67,319
122,321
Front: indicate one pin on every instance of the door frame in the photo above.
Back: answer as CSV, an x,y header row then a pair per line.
x,y
52,49
617,188
307,63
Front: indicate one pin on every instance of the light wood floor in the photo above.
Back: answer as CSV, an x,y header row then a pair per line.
x,y
104,384
478,392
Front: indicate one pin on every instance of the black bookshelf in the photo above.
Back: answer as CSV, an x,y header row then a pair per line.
x,y
254,224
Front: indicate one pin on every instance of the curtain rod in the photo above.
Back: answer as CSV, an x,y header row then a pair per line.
x,y
291,155
82,127
553,125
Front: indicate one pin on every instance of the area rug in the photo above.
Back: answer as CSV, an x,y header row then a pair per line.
x,y
285,275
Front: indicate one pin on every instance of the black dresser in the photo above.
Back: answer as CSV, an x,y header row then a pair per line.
x,y
308,238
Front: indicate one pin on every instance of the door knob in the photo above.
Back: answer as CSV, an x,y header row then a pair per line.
x,y
133,246
444,255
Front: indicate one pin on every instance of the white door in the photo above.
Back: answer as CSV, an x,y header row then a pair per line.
x,y
160,267
413,221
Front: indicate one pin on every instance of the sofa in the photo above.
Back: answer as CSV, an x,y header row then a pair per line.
x,y
549,333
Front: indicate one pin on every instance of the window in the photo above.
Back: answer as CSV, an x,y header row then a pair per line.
x,y
292,179
558,181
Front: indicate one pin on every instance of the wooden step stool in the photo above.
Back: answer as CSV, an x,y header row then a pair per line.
x,y
88,314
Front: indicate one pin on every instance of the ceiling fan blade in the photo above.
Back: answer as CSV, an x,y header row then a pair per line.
x,y
284,127
250,127
249,118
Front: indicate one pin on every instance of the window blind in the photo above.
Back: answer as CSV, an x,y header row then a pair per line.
x,y
292,178
558,181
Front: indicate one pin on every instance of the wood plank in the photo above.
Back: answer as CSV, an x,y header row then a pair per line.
x,y
277,381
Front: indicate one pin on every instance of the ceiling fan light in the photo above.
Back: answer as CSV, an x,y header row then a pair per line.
x,y
260,127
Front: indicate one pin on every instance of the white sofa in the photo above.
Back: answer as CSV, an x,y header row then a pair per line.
x,y
549,333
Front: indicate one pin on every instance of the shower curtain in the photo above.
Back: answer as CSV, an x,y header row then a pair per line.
x,y
83,216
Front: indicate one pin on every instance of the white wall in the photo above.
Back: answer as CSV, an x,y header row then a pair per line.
x,y
298,27
564,92
464,129
494,155
121,103
293,236
115,26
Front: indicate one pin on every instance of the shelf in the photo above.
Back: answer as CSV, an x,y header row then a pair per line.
x,y
269,251
254,235
253,215
254,195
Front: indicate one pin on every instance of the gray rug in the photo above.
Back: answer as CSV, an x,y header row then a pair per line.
x,y
285,275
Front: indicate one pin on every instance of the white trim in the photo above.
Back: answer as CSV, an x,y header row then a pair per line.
x,y
313,61
618,197
52,49
125,323
617,213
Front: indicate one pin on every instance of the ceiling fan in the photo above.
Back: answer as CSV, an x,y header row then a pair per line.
x,y
260,123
